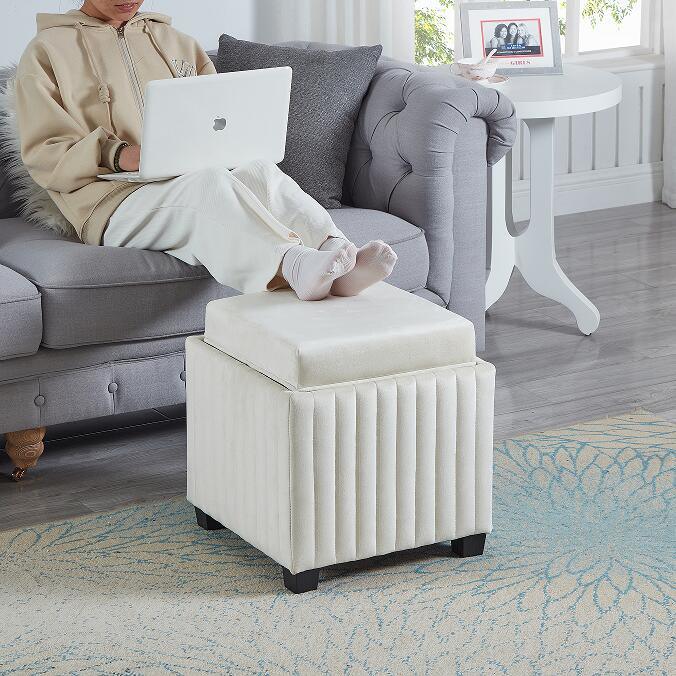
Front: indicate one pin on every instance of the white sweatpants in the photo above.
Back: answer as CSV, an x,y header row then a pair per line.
x,y
239,224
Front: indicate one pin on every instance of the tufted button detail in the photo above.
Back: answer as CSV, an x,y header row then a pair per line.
x,y
112,388
39,400
182,376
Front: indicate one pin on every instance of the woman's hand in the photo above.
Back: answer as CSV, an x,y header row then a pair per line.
x,y
130,158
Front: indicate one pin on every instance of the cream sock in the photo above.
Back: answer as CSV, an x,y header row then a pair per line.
x,y
333,243
310,272
375,262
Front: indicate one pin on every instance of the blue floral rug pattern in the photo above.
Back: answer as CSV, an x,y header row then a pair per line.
x,y
578,577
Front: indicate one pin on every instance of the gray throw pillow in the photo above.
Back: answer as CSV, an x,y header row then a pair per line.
x,y
326,96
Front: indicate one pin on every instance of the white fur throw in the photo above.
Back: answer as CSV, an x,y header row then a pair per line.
x,y
35,204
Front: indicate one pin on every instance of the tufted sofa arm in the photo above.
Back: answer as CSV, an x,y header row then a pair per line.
x,y
402,159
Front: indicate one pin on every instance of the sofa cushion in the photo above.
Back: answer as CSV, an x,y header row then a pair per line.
x,y
327,91
408,241
94,294
20,315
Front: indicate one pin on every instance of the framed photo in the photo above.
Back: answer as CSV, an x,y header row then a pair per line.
x,y
525,35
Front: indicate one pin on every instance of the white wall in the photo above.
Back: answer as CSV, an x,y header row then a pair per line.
x,y
205,20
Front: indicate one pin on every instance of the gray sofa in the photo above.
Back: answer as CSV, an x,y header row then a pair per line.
x,y
87,332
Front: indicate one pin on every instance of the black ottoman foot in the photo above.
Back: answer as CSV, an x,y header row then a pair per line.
x,y
301,582
206,522
472,545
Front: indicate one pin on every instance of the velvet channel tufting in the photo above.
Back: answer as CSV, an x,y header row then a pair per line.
x,y
335,474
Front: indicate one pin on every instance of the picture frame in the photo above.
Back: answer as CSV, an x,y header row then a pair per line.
x,y
525,33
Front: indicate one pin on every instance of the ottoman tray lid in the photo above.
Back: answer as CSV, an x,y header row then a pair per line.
x,y
304,345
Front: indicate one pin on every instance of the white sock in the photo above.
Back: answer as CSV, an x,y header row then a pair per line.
x,y
310,272
375,262
334,243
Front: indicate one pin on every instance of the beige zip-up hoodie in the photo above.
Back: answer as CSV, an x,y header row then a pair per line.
x,y
80,86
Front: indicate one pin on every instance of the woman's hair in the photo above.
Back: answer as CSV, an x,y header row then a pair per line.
x,y
498,29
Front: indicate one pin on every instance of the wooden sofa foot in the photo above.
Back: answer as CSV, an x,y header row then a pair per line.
x,y
24,448
207,522
301,582
472,545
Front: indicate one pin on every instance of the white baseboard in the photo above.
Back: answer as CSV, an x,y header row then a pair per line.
x,y
600,189
669,197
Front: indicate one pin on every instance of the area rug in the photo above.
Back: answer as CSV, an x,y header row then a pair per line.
x,y
578,577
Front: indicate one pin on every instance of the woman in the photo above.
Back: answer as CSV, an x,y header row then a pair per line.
x,y
525,39
512,34
499,37
80,87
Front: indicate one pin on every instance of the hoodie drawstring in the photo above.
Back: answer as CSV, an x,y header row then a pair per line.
x,y
153,39
104,91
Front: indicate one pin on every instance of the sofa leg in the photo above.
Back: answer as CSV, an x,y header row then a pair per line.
x,y
301,582
472,545
206,522
24,448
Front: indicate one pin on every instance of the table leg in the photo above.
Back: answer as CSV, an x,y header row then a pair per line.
x,y
535,248
503,255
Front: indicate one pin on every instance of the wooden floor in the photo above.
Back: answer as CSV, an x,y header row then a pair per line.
x,y
549,375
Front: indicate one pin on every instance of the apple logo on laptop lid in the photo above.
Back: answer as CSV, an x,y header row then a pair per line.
x,y
220,123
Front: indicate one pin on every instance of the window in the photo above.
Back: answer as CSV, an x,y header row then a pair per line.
x,y
434,26
606,26
626,26
587,28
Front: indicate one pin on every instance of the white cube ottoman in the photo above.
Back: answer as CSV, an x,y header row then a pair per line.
x,y
339,430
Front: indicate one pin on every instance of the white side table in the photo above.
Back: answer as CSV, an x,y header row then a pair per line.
x,y
539,100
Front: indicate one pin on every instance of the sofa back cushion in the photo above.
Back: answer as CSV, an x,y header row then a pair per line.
x,y
8,208
327,92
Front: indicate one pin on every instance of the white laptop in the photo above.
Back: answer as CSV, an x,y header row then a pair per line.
x,y
210,121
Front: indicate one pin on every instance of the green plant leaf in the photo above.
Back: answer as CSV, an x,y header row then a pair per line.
x,y
433,38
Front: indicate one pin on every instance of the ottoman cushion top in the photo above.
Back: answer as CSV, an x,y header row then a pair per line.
x,y
303,345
